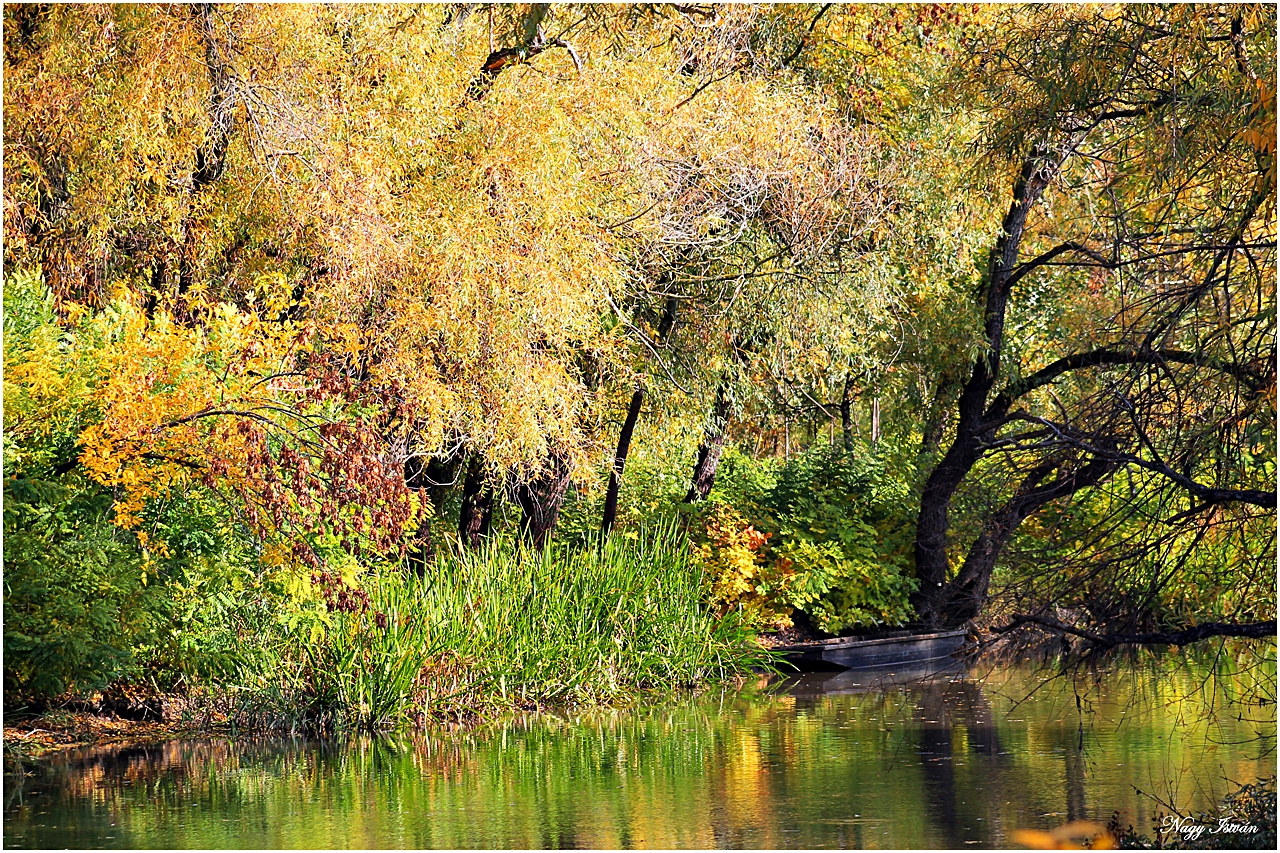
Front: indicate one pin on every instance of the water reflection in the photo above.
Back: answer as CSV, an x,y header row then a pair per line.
x,y
828,760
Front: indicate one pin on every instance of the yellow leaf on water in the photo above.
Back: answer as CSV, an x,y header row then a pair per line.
x,y
1035,839
1076,835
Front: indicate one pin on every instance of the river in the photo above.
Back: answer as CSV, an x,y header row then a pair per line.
x,y
959,760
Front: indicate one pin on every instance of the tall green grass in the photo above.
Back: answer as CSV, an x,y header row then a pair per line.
x,y
585,623
367,670
506,626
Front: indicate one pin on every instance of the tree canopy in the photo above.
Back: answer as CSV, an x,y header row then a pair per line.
x,y
379,280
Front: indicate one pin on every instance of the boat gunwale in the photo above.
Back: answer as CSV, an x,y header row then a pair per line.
x,y
850,642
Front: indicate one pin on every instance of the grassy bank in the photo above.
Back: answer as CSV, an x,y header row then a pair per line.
x,y
499,627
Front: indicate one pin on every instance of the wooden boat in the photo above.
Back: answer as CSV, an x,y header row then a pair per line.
x,y
902,649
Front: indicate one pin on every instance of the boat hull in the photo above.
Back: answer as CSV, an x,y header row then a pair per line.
x,y
879,654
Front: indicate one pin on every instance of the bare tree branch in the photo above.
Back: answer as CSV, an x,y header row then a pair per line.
x,y
1112,357
1253,630
1208,494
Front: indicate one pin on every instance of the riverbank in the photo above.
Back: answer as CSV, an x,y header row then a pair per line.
x,y
488,630
135,715
872,767
129,714
155,718
60,730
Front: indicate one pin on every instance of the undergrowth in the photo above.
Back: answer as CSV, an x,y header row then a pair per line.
x,y
501,626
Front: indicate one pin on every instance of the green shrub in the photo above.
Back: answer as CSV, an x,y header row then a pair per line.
x,y
85,604
75,599
823,534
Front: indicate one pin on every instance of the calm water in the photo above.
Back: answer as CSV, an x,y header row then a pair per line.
x,y
827,761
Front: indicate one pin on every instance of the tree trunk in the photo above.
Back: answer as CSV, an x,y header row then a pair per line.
x,y
540,500
620,462
932,524
704,470
429,479
476,512
441,475
846,414
665,325
211,156
967,594
422,549
931,599
433,476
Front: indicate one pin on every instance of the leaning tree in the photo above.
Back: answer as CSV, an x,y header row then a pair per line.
x,y
1127,305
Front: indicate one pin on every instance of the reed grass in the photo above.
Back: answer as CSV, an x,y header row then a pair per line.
x,y
506,626
585,623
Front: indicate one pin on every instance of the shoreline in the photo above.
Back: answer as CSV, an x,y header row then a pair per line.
x,y
57,731
41,735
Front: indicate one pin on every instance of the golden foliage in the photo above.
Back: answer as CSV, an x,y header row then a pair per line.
x,y
1076,835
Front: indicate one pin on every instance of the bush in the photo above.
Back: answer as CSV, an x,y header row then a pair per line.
x,y
190,594
86,602
822,534
75,598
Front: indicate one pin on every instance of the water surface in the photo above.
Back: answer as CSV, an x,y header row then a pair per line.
x,y
959,760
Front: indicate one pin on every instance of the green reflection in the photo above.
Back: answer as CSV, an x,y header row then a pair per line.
x,y
949,762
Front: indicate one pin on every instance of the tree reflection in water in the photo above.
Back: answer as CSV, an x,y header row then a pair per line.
x,y
820,761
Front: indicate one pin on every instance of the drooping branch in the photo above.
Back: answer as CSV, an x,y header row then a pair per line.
x,y
1208,494
1212,277
710,81
1113,357
1240,51
1146,108
1251,630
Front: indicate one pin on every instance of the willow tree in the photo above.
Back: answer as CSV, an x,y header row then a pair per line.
x,y
1127,305
754,185
436,255
444,208
152,156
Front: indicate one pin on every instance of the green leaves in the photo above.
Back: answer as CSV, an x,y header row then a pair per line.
x,y
833,522
74,602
